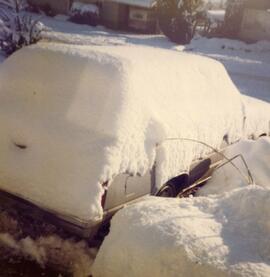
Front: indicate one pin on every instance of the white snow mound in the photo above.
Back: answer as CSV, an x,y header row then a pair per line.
x,y
225,235
215,15
257,157
72,257
257,117
73,117
203,43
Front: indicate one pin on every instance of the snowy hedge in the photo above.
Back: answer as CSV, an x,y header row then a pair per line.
x,y
84,13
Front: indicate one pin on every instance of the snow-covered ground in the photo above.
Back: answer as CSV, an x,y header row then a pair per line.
x,y
248,65
205,236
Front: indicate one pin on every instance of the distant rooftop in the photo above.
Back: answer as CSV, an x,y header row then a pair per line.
x,y
139,3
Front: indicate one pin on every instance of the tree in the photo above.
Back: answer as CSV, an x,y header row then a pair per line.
x,y
176,18
17,29
191,7
233,17
17,5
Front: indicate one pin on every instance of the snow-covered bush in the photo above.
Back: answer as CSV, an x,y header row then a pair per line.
x,y
214,20
84,13
17,28
177,17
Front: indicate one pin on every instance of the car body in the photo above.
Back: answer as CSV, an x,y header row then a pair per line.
x,y
88,129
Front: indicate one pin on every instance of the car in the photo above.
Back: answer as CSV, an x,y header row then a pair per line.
x,y
86,130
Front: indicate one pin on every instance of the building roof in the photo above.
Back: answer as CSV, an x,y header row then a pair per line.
x,y
138,3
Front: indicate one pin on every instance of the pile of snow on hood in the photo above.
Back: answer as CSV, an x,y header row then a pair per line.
x,y
227,235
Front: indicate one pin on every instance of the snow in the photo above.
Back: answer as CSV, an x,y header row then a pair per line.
x,y
93,133
247,64
129,144
78,7
257,112
219,43
61,17
226,235
256,155
66,255
138,3
216,15
55,250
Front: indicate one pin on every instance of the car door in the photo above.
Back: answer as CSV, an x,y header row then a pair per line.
x,y
126,188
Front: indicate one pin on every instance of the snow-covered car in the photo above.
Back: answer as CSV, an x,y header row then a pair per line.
x,y
87,129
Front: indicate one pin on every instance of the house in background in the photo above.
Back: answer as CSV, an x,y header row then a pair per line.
x,y
136,15
57,7
255,24
129,14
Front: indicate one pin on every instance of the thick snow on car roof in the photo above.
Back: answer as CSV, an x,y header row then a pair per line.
x,y
73,117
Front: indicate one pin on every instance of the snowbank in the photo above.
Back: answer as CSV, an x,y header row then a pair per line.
x,y
204,44
257,157
215,236
257,116
73,117
68,256
50,248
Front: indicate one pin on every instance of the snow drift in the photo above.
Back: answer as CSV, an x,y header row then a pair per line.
x,y
73,117
257,117
73,258
203,43
224,235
